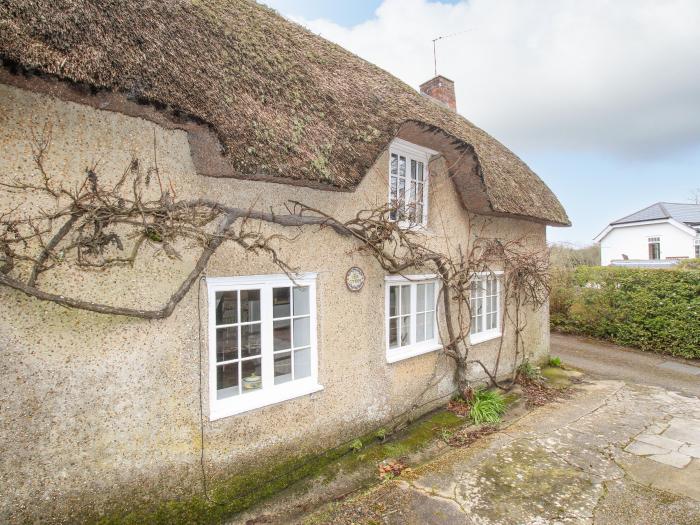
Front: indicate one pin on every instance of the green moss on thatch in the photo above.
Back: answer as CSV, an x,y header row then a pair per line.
x,y
275,94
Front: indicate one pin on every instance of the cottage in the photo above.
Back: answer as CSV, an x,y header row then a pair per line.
x,y
657,236
190,280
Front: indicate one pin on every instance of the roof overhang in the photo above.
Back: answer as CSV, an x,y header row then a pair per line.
x,y
673,222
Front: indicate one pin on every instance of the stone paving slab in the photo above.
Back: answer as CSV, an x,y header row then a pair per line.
x,y
614,453
680,367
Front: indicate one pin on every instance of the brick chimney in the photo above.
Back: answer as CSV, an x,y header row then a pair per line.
x,y
442,90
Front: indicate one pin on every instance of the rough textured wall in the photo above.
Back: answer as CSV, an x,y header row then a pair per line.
x,y
97,406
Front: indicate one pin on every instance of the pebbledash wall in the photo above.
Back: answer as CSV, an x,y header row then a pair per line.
x,y
97,408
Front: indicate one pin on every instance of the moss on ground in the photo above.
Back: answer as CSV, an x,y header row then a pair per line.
x,y
233,495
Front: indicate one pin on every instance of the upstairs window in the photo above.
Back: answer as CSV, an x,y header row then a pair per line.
x,y
485,302
654,248
262,341
408,183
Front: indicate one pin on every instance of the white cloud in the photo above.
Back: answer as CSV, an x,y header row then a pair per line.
x,y
615,75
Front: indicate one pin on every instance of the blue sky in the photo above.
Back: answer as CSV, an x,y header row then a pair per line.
x,y
602,100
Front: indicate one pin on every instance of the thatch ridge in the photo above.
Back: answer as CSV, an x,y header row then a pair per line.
x,y
283,102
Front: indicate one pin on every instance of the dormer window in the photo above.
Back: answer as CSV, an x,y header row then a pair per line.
x,y
408,183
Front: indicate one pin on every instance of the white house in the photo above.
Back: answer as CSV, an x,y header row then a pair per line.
x,y
656,236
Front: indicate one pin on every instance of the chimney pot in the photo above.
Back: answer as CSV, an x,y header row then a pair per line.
x,y
442,90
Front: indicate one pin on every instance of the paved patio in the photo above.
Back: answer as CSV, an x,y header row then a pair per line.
x,y
614,453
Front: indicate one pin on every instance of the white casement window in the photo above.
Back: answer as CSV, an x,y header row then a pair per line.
x,y
485,302
408,183
262,341
411,320
697,248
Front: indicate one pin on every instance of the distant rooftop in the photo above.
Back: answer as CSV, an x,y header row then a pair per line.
x,y
685,213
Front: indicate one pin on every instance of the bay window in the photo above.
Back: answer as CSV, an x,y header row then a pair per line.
x,y
485,303
262,341
411,321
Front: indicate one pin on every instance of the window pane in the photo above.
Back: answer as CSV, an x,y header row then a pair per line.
x,y
226,343
413,169
393,333
280,302
226,380
301,332
301,300
419,213
282,334
302,363
283,367
430,296
402,166
226,307
420,328
429,326
406,330
405,300
402,189
250,340
420,298
252,375
420,171
393,189
393,301
394,163
250,305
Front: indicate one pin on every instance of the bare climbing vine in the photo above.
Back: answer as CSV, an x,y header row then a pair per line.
x,y
94,226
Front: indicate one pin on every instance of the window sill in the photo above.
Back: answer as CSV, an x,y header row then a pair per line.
x,y
482,337
247,402
399,354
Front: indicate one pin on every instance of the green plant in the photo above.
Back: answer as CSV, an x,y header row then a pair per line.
x,y
487,407
381,434
356,445
528,371
554,361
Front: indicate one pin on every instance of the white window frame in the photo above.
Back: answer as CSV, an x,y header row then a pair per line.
x,y
494,333
270,393
420,154
654,239
413,349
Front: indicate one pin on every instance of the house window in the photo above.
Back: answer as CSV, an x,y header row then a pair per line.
x,y
411,321
654,248
485,297
408,183
697,248
262,341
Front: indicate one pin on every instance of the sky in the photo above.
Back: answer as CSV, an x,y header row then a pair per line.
x,y
601,98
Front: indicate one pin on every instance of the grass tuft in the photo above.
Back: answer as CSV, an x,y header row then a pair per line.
x,y
487,407
554,361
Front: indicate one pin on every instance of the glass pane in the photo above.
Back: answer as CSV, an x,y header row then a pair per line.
x,y
302,363
419,193
280,302
405,300
419,213
250,305
282,334
430,296
402,189
420,300
226,380
250,340
402,166
413,169
283,367
393,333
420,328
420,171
226,307
405,330
301,332
393,300
252,375
301,300
393,188
429,326
394,163
226,343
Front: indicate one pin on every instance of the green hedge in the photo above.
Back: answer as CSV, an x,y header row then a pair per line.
x,y
656,310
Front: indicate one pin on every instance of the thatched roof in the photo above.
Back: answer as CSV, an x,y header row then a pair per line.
x,y
282,101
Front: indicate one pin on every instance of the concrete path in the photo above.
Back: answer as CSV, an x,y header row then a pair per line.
x,y
613,453
608,361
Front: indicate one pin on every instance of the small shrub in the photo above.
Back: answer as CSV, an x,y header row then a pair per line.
x,y
528,371
554,361
487,407
356,445
381,434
